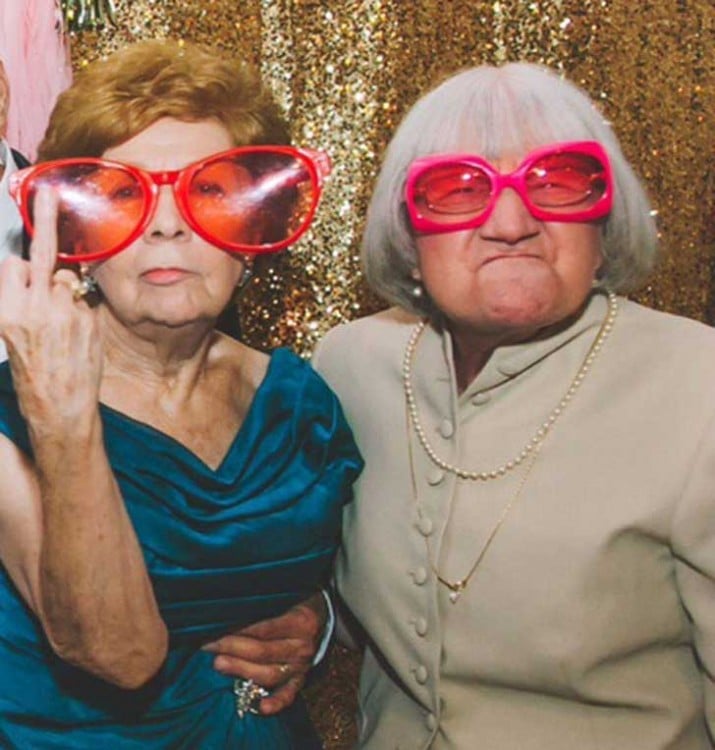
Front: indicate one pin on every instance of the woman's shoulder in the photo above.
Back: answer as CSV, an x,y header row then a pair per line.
x,y
365,350
673,352
280,373
287,368
296,382
393,319
295,395
683,335
240,361
385,331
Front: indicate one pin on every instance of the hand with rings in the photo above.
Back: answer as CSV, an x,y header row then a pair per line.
x,y
249,694
274,654
52,341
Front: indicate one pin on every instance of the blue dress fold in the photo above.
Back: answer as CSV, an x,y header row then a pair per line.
x,y
224,547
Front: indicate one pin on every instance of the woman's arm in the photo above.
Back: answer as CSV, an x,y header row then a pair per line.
x,y
65,536
70,549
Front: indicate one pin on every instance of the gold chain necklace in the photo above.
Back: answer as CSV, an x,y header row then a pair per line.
x,y
541,432
530,452
457,587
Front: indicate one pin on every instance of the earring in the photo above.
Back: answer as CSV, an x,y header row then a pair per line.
x,y
86,284
418,290
246,276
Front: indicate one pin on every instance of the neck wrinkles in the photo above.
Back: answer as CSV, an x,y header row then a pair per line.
x,y
166,359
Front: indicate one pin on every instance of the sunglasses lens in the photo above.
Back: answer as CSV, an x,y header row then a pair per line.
x,y
447,193
256,200
566,182
99,209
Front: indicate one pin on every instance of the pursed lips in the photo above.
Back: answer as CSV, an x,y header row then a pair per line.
x,y
511,256
163,276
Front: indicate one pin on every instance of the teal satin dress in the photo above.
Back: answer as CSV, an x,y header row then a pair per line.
x,y
224,548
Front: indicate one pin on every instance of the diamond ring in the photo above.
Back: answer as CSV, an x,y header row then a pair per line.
x,y
248,696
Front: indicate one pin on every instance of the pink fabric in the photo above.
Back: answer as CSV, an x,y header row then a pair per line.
x,y
35,52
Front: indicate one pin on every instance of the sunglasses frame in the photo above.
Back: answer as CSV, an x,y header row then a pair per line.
x,y
318,164
515,180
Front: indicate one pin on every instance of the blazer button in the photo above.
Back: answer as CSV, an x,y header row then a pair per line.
x,y
431,722
478,399
510,368
446,428
419,576
435,477
425,526
421,626
421,674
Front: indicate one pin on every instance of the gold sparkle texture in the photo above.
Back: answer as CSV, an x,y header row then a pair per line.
x,y
88,14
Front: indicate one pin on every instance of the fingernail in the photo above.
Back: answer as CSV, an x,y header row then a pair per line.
x,y
220,664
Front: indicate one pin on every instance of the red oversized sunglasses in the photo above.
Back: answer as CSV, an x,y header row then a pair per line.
x,y
560,182
251,199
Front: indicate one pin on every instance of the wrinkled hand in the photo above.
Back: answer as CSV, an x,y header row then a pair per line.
x,y
276,653
51,338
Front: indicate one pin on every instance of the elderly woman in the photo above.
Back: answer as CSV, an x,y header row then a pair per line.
x,y
162,483
536,515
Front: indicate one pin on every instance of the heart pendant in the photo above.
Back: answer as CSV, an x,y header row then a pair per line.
x,y
454,595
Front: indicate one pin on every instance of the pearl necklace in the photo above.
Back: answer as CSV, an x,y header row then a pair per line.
x,y
540,434
530,451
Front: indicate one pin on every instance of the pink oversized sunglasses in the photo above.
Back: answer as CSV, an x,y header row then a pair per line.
x,y
560,182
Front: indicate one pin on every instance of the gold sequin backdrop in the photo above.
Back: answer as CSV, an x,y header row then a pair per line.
x,y
347,70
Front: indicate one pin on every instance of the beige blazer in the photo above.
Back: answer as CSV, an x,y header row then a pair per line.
x,y
590,622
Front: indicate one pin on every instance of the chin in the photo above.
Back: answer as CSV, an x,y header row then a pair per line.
x,y
521,310
174,318
525,300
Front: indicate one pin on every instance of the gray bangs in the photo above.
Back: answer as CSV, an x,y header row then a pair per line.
x,y
508,110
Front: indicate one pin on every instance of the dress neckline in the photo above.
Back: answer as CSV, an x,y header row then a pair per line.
x,y
194,458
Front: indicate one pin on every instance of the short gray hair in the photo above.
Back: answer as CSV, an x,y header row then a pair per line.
x,y
495,110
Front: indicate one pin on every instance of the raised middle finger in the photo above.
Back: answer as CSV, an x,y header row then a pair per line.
x,y
43,250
